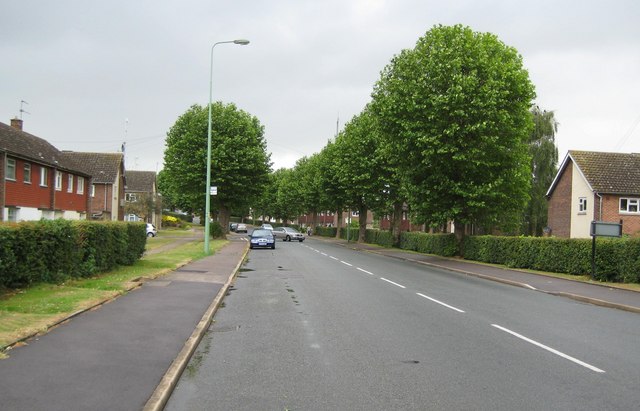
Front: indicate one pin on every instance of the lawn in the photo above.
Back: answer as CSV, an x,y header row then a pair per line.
x,y
26,312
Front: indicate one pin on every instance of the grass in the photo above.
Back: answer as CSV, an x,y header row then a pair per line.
x,y
34,310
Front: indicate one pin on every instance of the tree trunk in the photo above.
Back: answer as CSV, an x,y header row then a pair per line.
x,y
458,228
338,223
396,220
363,223
223,218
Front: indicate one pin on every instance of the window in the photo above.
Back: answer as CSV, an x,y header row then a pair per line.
x,y
27,173
70,184
582,205
93,190
629,205
43,176
12,214
58,180
80,185
355,214
131,197
11,169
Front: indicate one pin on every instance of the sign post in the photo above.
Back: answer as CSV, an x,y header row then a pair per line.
x,y
602,229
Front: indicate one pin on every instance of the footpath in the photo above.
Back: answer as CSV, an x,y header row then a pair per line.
x,y
126,354
604,295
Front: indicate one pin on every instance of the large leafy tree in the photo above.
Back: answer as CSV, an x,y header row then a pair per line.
x,y
361,163
544,163
240,163
308,172
333,192
456,108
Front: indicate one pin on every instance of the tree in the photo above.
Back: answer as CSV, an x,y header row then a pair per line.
x,y
240,164
455,109
361,164
144,205
308,172
544,163
333,192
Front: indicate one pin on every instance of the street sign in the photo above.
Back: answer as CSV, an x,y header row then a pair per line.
x,y
602,229
213,190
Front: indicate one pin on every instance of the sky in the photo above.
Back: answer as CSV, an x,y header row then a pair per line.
x,y
97,74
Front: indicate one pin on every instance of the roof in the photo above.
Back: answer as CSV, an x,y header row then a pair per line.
x,y
29,147
141,181
104,167
606,173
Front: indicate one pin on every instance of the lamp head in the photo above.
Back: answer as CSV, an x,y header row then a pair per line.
x,y
241,42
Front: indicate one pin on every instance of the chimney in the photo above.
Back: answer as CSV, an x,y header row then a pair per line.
x,y
16,123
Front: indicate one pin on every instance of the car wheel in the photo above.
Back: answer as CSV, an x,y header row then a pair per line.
x,y
301,240
250,247
150,235
287,238
273,247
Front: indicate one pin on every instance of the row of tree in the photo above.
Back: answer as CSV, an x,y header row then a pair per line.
x,y
449,135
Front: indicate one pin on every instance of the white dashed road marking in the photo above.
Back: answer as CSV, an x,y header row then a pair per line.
x,y
440,302
391,282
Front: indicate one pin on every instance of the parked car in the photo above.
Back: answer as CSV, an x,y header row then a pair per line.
x,y
266,226
260,238
233,226
288,234
241,228
151,230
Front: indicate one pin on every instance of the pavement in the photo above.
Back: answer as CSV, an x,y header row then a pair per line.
x,y
129,353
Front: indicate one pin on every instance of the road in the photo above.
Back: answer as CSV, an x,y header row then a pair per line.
x,y
314,326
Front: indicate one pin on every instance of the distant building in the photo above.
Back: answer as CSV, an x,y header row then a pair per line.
x,y
107,189
141,197
594,186
37,180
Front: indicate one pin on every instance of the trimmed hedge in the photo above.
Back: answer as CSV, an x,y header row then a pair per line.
x,y
439,244
617,260
53,251
383,238
325,231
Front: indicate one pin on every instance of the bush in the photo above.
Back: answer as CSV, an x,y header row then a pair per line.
x,y
325,231
439,244
56,250
215,230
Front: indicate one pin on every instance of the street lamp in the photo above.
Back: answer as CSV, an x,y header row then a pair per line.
x,y
207,211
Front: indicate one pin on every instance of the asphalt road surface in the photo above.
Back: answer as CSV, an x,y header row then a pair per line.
x,y
314,326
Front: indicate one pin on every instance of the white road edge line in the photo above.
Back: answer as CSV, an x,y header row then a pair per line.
x,y
391,282
346,263
364,271
324,254
332,257
440,302
556,352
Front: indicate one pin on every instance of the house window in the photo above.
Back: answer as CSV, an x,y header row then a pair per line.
x,y
27,173
70,184
93,190
11,169
58,180
80,185
43,176
131,197
582,205
12,214
355,213
629,205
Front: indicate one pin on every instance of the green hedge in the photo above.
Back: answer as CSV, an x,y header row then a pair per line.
x,y
380,237
617,260
439,244
325,231
56,250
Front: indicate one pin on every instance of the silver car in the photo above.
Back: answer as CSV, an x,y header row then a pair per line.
x,y
288,234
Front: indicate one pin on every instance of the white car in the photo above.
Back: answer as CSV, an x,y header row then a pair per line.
x,y
151,230
267,227
288,234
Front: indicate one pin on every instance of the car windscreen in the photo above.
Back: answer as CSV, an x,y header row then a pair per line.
x,y
261,233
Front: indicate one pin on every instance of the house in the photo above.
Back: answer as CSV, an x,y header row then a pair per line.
x,y
37,180
596,186
107,189
141,197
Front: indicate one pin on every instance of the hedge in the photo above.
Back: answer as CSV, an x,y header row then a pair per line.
x,y
54,251
439,244
617,260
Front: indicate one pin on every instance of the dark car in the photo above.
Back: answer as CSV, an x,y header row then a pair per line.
x,y
288,234
260,238
233,226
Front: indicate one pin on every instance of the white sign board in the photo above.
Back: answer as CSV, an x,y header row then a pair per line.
x,y
213,190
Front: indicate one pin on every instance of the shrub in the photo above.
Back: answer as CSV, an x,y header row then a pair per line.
x,y
325,231
439,244
379,237
215,230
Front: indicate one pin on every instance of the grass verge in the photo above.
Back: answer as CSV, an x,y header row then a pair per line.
x,y
34,310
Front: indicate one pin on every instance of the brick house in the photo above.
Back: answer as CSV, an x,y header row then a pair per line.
x,y
37,180
594,186
141,187
107,188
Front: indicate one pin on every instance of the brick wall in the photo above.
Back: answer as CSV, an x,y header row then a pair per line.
x,y
101,202
25,194
559,211
611,213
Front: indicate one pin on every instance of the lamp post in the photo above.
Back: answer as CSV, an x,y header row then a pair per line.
x,y
208,188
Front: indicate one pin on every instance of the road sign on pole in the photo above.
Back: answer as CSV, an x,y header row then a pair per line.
x,y
213,190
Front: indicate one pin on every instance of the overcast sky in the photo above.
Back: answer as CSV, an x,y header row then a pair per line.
x,y
96,74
